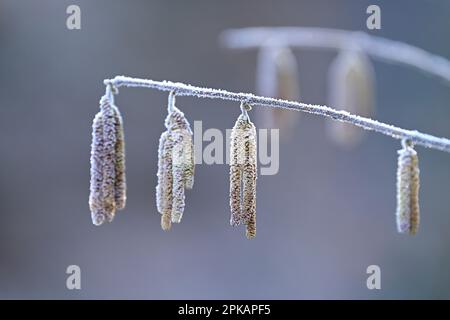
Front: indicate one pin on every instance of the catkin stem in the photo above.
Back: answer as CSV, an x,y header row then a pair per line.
x,y
182,89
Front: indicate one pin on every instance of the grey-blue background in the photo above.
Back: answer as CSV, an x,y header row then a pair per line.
x,y
322,220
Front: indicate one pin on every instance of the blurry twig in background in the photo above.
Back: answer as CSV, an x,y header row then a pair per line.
x,y
303,37
351,79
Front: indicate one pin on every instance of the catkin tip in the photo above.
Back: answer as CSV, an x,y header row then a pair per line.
x,y
98,219
251,227
166,222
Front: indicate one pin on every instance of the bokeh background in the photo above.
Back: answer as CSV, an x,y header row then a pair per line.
x,y
325,217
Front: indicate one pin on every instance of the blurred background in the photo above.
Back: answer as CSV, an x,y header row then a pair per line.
x,y
322,220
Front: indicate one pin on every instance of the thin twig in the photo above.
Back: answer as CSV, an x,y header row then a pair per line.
x,y
304,37
182,89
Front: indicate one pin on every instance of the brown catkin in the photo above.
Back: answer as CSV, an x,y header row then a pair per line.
x,y
250,231
243,173
120,182
166,221
408,210
189,165
236,163
235,194
249,175
167,182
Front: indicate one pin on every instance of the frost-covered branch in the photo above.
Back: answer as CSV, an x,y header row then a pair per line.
x,y
304,37
182,89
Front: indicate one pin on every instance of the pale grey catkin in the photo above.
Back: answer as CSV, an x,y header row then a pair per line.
x,y
120,195
98,214
175,168
108,182
109,161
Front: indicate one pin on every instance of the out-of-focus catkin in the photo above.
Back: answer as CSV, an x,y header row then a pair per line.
x,y
175,168
408,183
243,174
351,85
108,183
277,76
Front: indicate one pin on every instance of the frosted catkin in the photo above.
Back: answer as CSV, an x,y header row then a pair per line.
x,y
351,82
167,184
161,172
178,175
408,183
236,173
189,165
98,214
108,182
109,161
249,182
243,173
175,168
120,195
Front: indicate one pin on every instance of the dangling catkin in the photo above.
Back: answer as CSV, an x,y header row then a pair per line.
x,y
408,211
160,173
175,168
243,174
95,198
236,163
277,77
249,184
109,161
167,185
189,165
120,183
108,183
351,88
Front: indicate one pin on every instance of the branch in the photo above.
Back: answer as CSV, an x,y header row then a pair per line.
x,y
379,48
182,89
